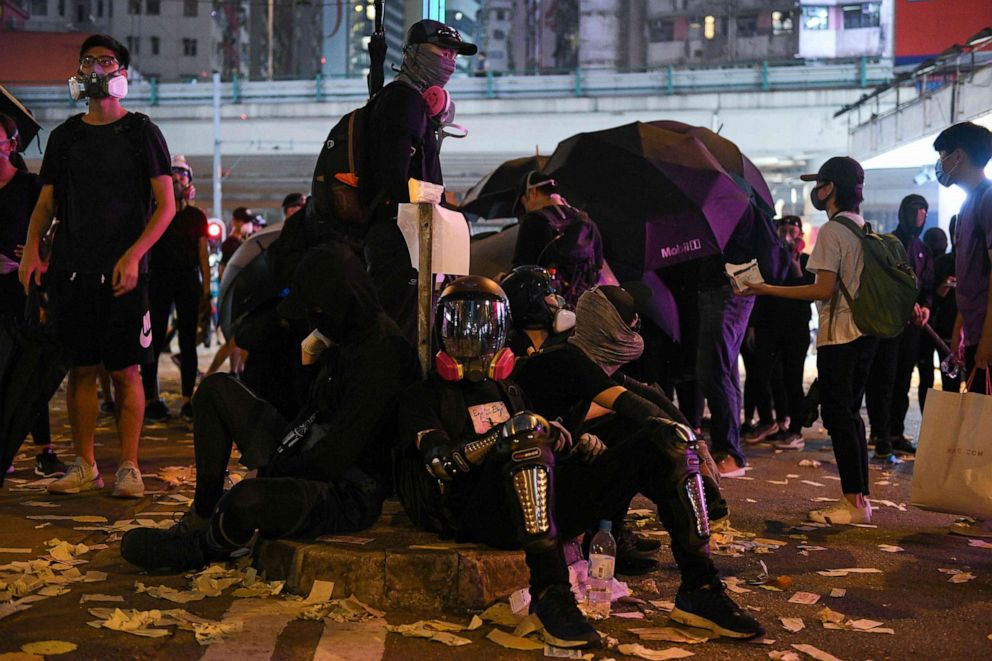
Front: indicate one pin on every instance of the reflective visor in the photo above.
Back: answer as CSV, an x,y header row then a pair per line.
x,y
473,328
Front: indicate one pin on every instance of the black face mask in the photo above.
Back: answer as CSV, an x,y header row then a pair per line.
x,y
818,204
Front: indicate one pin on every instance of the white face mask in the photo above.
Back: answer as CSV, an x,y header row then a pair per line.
x,y
564,321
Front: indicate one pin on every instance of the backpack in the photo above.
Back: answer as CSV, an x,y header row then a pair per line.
x,y
888,289
575,256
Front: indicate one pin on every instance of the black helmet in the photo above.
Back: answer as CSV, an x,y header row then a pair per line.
x,y
526,287
471,323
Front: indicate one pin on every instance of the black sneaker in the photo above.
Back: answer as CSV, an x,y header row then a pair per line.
x,y
190,523
156,411
563,622
47,464
902,445
710,608
631,541
173,550
187,411
631,561
882,449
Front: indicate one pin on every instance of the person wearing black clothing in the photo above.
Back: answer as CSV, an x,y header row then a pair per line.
x,y
496,472
558,237
19,190
404,145
326,471
105,176
180,276
945,309
887,394
782,336
540,317
242,224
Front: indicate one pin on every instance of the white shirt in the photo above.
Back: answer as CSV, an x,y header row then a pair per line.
x,y
839,251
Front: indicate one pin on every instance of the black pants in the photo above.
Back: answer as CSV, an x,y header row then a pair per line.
x,y
395,281
12,303
276,506
165,289
907,357
843,372
978,382
584,494
780,355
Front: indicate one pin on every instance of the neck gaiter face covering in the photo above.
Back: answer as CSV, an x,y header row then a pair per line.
x,y
424,68
602,334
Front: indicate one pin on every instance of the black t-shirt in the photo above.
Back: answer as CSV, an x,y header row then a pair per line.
x,y
179,247
108,198
421,411
561,384
229,247
17,200
402,144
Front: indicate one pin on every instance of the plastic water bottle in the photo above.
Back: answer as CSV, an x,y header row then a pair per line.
x,y
602,560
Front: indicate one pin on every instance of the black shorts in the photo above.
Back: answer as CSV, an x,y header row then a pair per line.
x,y
98,327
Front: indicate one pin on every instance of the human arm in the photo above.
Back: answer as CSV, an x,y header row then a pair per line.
x,y
654,394
203,255
822,289
32,266
983,356
126,270
401,115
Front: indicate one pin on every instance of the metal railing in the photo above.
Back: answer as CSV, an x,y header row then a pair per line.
x,y
578,83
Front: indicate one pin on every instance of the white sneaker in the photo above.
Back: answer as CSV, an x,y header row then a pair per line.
x,y
79,476
971,528
791,442
127,482
842,513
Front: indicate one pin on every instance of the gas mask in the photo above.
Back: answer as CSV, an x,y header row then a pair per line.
x,y
441,110
563,319
97,86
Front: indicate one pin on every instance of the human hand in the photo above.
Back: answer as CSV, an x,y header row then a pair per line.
x,y
19,251
563,441
590,447
125,274
32,267
924,315
944,288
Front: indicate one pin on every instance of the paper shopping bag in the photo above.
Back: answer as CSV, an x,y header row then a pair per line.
x,y
953,468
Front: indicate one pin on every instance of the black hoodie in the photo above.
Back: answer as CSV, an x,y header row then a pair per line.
x,y
916,251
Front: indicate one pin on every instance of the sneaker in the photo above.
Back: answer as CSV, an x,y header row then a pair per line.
x,y
883,453
747,430
127,482
47,464
187,412
10,469
791,441
971,528
156,411
842,513
729,467
169,550
761,432
710,608
79,476
107,407
903,445
563,622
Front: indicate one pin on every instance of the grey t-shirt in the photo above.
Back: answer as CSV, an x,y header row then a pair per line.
x,y
971,250
838,250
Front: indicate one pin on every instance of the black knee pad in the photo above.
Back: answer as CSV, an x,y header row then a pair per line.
x,y
683,488
209,388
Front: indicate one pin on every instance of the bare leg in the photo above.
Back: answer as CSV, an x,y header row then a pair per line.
x,y
130,410
81,402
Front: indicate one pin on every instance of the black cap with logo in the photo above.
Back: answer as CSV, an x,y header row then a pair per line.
x,y
439,34
842,171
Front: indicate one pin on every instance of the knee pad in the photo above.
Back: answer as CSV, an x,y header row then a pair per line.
x,y
684,489
526,451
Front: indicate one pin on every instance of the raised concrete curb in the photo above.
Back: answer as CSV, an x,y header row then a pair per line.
x,y
387,573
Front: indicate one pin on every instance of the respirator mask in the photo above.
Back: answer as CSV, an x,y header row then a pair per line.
x,y
97,85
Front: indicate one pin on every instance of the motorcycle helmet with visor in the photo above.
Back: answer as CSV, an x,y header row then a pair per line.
x,y
471,322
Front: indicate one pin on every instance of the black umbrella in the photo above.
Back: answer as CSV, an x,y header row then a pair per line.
x,y
496,193
32,365
27,127
247,283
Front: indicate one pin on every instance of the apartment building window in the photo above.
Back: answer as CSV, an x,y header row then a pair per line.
x,y
189,47
61,7
190,8
39,7
864,15
155,45
747,25
99,8
81,14
695,28
500,15
153,7
134,45
499,35
133,6
661,29
816,17
781,22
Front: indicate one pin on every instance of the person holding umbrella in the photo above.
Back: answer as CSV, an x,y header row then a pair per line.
x,y
19,191
106,175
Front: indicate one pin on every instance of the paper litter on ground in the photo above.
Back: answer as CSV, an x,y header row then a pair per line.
x,y
793,624
850,570
512,642
351,609
672,633
816,653
805,598
437,630
643,652
889,548
49,647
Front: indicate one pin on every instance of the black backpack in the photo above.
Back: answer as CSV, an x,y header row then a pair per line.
x,y
574,257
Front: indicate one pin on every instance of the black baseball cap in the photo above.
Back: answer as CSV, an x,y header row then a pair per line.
x,y
842,171
629,299
794,221
439,34
244,215
293,200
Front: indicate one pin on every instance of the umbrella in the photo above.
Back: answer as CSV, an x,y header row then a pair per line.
x,y
32,365
27,126
659,196
246,283
496,193
492,254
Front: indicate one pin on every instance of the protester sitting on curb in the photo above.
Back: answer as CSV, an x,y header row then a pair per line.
x,y
965,149
328,470
843,353
106,176
492,472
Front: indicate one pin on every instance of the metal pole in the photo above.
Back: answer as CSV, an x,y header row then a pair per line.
x,y
217,171
425,285
271,14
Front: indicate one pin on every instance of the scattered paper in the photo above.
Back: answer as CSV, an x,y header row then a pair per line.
x,y
14,550
661,604
520,601
850,570
49,647
817,654
39,503
826,615
784,656
320,592
810,463
424,629
793,624
888,548
963,577
812,483
638,650
512,642
979,543
838,592
501,614
744,275
672,634
101,597
806,598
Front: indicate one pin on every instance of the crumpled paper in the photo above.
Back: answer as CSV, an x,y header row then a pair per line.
x,y
638,650
437,630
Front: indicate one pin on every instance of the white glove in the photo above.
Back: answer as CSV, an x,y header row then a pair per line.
x,y
312,346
